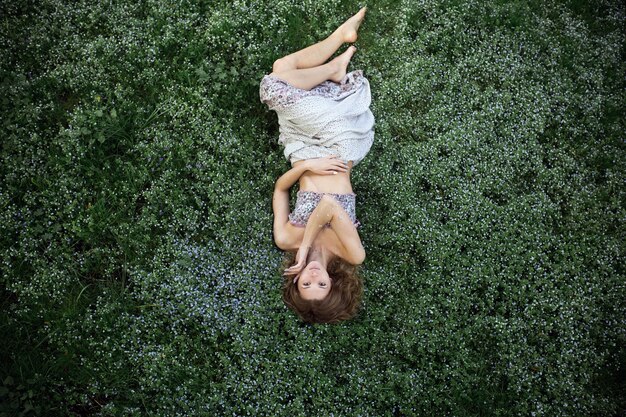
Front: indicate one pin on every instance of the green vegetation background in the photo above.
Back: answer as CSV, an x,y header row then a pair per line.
x,y
139,275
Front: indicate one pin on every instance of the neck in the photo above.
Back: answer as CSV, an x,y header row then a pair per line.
x,y
320,254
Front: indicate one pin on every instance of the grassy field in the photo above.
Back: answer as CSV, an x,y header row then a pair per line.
x,y
138,272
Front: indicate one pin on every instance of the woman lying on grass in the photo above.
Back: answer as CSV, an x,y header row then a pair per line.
x,y
326,128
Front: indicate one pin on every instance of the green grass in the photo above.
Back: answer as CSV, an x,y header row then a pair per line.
x,y
138,272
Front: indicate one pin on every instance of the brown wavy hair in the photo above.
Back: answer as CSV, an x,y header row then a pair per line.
x,y
341,303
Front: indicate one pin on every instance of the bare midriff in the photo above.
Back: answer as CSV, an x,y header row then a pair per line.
x,y
338,183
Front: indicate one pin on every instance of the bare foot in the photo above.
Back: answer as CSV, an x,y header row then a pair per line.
x,y
348,29
340,64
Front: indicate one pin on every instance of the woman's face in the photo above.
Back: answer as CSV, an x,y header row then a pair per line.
x,y
314,282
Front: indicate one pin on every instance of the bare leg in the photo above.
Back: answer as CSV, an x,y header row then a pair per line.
x,y
308,78
312,57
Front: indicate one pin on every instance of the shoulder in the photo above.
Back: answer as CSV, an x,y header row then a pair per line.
x,y
347,242
354,254
358,257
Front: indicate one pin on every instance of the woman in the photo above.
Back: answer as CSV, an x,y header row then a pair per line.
x,y
326,128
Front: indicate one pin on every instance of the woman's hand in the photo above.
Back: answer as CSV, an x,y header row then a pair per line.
x,y
300,263
328,165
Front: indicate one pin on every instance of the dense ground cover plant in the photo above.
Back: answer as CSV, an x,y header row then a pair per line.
x,y
138,271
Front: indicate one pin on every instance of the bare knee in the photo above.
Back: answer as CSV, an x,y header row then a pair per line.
x,y
285,63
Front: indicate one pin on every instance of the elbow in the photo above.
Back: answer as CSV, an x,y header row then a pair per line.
x,y
359,258
328,202
326,199
282,241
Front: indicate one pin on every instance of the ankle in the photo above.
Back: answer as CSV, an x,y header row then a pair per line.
x,y
337,37
333,68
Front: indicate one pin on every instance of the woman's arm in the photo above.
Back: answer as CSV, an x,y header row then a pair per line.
x,y
348,236
321,215
280,204
290,177
329,210
328,165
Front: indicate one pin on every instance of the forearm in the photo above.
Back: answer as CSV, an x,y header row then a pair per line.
x,y
323,214
290,177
